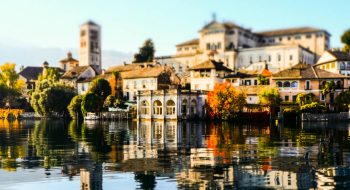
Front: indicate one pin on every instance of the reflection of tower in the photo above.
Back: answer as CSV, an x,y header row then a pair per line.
x,y
91,179
90,46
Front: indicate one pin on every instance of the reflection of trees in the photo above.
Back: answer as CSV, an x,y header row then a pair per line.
x,y
147,181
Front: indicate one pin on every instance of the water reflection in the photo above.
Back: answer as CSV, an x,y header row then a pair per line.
x,y
155,155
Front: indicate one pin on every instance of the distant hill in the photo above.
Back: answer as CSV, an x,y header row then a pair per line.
x,y
35,56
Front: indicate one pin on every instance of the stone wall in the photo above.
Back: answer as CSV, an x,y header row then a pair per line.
x,y
342,116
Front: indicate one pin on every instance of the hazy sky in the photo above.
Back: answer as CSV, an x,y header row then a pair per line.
x,y
127,23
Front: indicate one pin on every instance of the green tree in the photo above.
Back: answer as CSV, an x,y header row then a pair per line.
x,y
303,98
109,102
53,99
345,39
90,103
101,88
146,52
74,107
270,97
343,101
326,89
313,107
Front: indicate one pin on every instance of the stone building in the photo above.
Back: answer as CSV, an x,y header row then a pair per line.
x,y
170,104
335,61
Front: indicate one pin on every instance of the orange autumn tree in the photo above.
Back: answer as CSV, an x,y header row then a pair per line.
x,y
225,101
116,85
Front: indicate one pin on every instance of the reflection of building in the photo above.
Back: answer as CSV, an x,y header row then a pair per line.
x,y
169,104
91,179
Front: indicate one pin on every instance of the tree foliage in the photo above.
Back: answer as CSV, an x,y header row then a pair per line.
x,y
10,86
269,97
343,101
345,39
90,103
146,52
101,88
53,99
74,107
224,102
50,96
303,98
313,107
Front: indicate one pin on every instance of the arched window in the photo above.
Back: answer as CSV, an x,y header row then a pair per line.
x,y
157,108
184,107
294,84
279,84
193,107
170,107
286,84
144,107
338,84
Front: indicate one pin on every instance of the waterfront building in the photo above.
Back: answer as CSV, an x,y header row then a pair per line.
x,y
69,62
335,61
304,78
90,46
143,77
30,75
239,47
170,104
204,76
79,77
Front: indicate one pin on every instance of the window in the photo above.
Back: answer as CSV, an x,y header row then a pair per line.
x,y
208,46
179,49
291,57
219,45
297,37
260,58
144,107
286,98
170,107
251,59
280,39
308,35
289,38
193,107
255,82
333,65
187,48
269,58
144,84
294,84
286,84
135,84
157,108
184,107
322,97
279,57
294,98
279,84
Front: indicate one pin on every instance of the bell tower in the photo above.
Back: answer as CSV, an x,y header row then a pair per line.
x,y
90,46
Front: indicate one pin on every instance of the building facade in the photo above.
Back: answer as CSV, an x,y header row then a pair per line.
x,y
170,104
335,61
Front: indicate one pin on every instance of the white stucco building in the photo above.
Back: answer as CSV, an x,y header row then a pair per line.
x,y
335,61
170,104
226,41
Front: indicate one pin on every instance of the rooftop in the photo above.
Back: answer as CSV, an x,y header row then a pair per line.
x,y
211,64
32,73
306,71
290,31
189,42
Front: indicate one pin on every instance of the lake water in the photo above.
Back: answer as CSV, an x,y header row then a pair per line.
x,y
173,155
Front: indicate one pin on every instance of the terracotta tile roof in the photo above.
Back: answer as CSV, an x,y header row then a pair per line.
x,y
32,73
306,71
145,72
211,64
226,25
340,55
250,73
189,42
74,72
128,67
68,59
290,31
